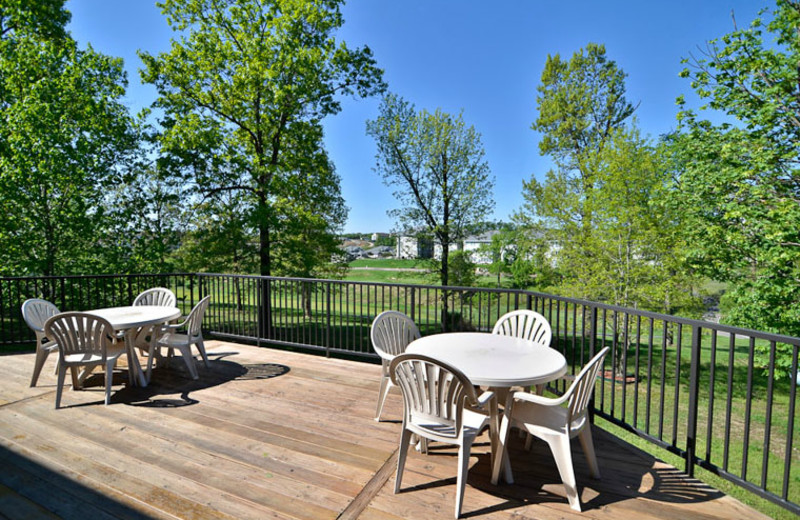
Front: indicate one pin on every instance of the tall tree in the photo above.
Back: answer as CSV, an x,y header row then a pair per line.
x,y
740,188
581,104
246,81
64,132
436,164
636,235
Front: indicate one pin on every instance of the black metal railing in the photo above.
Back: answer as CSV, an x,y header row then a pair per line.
x,y
723,398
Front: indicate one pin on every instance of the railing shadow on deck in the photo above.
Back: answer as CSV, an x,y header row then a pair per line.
x,y
31,484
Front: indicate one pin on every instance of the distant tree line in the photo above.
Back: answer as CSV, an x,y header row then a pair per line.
x,y
228,172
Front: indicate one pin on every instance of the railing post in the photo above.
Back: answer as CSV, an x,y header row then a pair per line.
x,y
413,302
694,383
328,320
592,348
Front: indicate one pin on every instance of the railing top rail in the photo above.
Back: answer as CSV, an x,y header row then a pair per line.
x,y
83,276
719,327
767,336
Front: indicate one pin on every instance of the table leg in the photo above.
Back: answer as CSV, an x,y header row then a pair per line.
x,y
135,372
500,460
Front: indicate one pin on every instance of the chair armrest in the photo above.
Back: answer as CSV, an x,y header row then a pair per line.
x,y
484,398
538,399
174,326
50,345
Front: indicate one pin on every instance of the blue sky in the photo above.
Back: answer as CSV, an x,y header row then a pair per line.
x,y
484,58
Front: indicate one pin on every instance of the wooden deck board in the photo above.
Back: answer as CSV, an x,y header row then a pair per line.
x,y
274,434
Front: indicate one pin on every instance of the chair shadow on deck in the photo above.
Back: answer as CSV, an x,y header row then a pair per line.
x,y
171,386
627,474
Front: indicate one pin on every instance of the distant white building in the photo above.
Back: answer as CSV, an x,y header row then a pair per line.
x,y
473,245
376,236
437,249
412,247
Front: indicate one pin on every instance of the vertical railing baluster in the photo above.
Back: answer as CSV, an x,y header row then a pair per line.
x,y
694,383
787,457
768,417
711,394
729,402
748,407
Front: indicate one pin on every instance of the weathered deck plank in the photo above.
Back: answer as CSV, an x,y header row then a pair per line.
x,y
274,434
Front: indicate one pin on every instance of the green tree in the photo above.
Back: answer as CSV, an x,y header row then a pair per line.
x,y
64,132
740,185
499,252
244,90
581,104
436,164
636,235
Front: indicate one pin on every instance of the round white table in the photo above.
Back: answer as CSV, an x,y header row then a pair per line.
x,y
130,319
495,361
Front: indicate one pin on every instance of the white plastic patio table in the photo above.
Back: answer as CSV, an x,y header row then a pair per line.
x,y
129,319
495,361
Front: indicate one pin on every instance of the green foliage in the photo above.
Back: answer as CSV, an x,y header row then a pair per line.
x,y
65,132
244,90
390,241
580,101
461,269
436,164
45,19
597,227
739,185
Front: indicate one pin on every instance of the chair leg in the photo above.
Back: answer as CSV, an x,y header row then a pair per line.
x,y
585,436
41,357
382,393
109,378
202,348
61,374
76,381
463,469
150,355
560,447
405,439
186,354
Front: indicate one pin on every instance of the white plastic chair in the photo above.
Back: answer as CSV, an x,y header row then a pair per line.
x,y
436,402
546,419
36,312
84,340
525,324
529,325
158,296
171,339
391,333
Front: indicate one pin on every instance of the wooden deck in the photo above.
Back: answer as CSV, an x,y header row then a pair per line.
x,y
273,434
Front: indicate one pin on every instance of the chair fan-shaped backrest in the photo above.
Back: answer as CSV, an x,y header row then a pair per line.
x,y
391,333
79,333
434,393
36,312
195,319
583,386
159,296
525,324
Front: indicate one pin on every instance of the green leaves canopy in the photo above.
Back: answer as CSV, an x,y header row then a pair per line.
x,y
436,163
740,188
63,133
244,91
